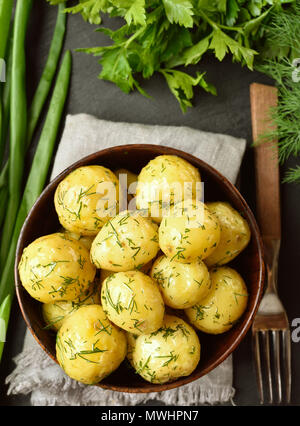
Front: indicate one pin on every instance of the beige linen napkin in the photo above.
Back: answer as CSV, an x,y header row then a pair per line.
x,y
35,372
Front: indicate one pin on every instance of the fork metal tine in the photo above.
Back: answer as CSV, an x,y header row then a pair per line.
x,y
258,366
276,346
266,349
269,363
287,363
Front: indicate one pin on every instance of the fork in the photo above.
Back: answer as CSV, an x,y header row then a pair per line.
x,y
270,329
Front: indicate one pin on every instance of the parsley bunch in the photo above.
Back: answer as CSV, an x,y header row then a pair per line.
x,y
160,35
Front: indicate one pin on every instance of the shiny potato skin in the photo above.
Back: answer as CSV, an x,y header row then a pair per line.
x,y
166,174
85,240
235,234
79,199
191,232
171,352
224,305
55,313
133,301
56,267
182,284
104,273
126,242
88,346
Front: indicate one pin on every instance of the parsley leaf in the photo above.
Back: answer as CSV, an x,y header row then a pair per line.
x,y
181,85
232,12
116,68
90,10
191,55
135,10
179,12
221,43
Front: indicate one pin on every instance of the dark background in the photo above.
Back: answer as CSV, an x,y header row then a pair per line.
x,y
227,113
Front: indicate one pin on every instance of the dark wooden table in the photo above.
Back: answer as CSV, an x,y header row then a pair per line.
x,y
228,113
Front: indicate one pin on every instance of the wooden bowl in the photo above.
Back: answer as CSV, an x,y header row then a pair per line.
x,y
42,220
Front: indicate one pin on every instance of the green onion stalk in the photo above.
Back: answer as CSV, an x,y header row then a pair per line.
x,y
34,114
3,135
48,74
18,123
35,182
6,8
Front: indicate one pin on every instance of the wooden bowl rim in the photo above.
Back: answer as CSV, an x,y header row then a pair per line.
x,y
156,150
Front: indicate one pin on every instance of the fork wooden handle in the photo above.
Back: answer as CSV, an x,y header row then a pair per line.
x,y
262,98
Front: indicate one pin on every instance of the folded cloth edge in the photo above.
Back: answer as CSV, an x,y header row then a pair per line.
x,y
94,134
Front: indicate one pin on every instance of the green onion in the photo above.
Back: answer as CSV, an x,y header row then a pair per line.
x,y
38,173
43,155
5,104
18,123
45,83
3,137
6,7
4,317
3,201
39,99
3,192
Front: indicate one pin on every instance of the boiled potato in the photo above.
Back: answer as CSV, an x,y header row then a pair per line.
x,y
171,352
191,232
126,242
164,181
55,313
182,284
224,305
88,346
86,241
56,267
235,234
133,301
86,199
129,180
104,273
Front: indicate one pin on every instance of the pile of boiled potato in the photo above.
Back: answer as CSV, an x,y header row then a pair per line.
x,y
115,284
